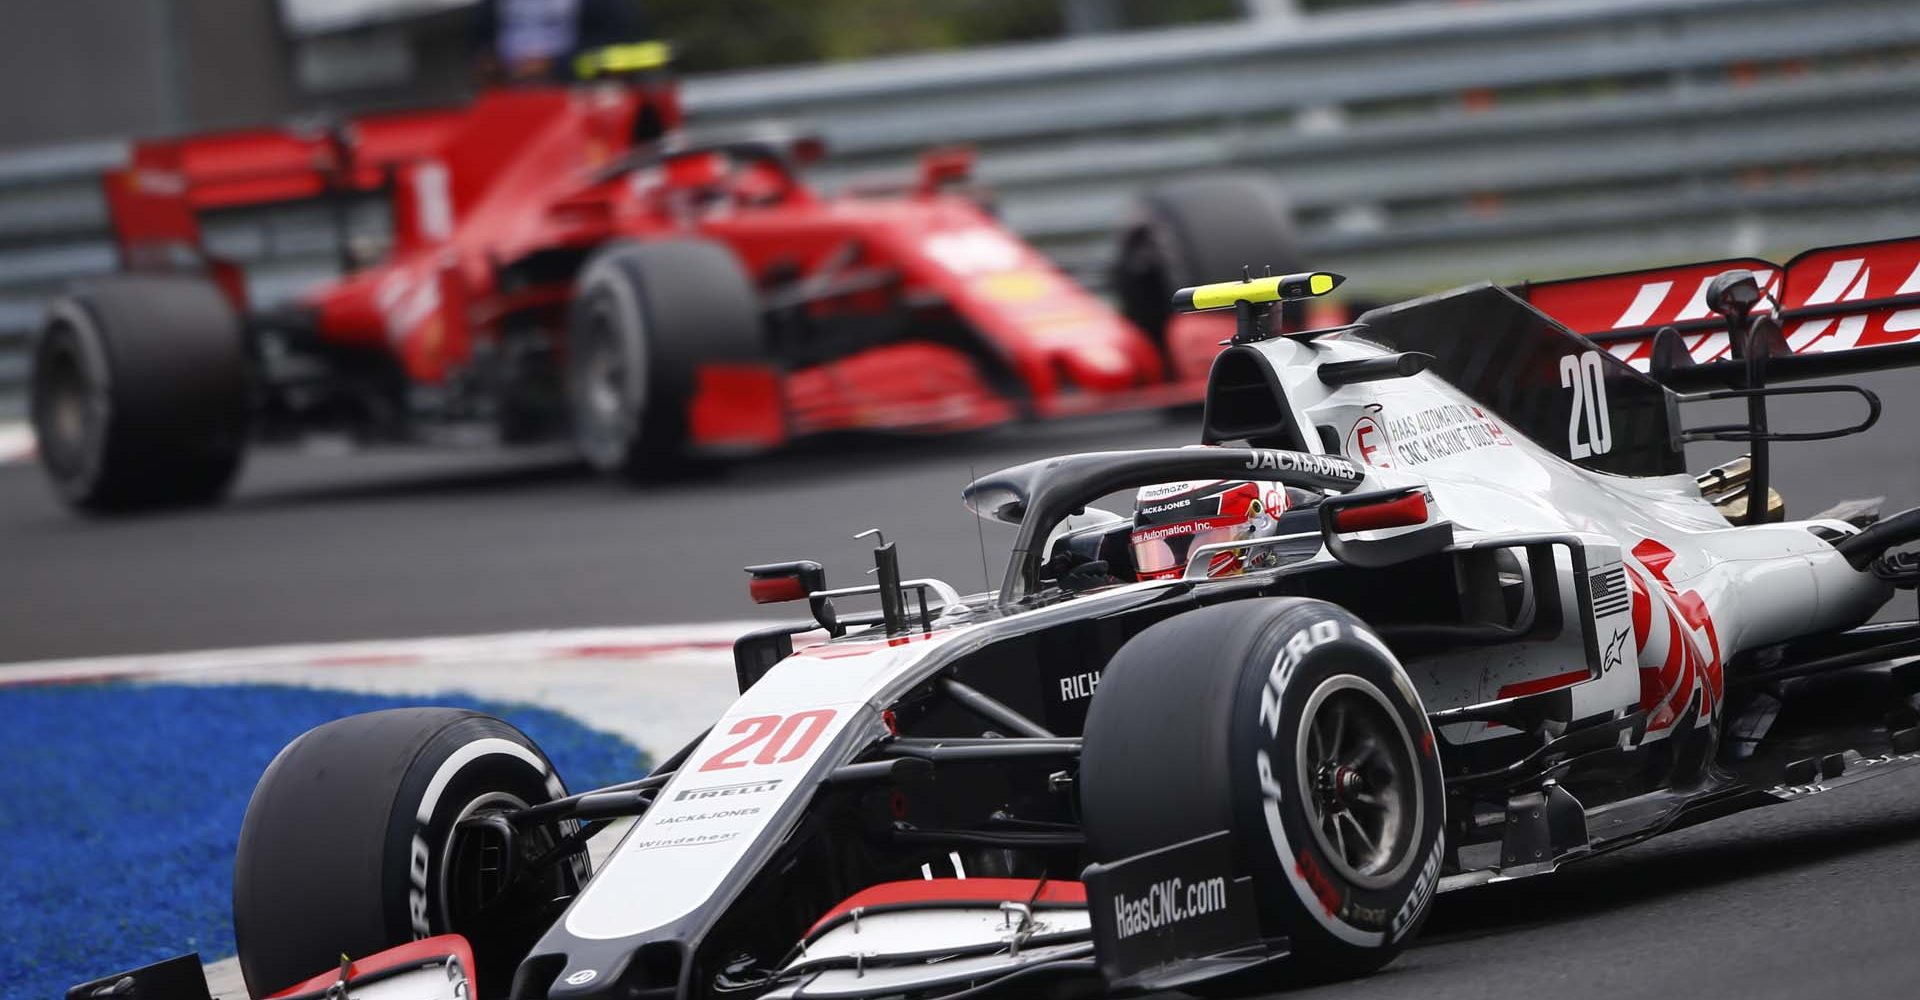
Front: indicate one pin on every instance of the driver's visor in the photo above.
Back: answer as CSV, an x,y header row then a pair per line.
x,y
1161,550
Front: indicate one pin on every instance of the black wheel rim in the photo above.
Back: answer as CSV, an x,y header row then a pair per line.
x,y
69,409
602,405
1360,783
605,376
499,904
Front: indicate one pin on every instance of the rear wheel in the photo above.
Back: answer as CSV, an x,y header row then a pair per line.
x,y
645,317
1193,231
377,829
1287,722
140,394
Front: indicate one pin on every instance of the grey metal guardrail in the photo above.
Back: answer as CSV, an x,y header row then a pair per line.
x,y
53,228
1420,144
1427,144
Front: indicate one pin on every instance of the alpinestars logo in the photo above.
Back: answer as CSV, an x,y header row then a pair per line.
x,y
1168,902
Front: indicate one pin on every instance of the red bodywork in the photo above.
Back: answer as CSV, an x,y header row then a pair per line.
x,y
413,953
950,891
529,175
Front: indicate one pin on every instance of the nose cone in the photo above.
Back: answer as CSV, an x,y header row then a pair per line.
x,y
1098,365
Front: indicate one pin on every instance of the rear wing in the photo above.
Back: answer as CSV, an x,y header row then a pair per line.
x,y
168,183
350,192
324,200
1840,309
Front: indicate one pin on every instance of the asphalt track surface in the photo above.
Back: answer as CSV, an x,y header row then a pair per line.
x,y
411,543
1818,898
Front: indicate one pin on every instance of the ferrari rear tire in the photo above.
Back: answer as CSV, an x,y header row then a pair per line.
x,y
645,317
140,394
1197,230
1289,723
353,843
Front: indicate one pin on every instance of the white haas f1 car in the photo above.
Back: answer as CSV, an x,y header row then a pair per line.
x,y
1501,629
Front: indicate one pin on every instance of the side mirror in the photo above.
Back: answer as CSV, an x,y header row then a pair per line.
x,y
944,167
800,580
776,583
1733,294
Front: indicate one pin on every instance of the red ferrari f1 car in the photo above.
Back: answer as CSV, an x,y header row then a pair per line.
x,y
571,259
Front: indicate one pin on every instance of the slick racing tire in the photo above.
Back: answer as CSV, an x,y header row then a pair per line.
x,y
1287,722
1198,230
353,844
645,316
140,394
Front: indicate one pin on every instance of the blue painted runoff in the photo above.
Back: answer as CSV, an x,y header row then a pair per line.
x,y
120,806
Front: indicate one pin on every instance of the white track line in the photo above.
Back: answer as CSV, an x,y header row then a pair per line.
x,y
655,686
561,644
16,443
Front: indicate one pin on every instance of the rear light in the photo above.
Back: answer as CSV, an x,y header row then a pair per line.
x,y
1400,512
777,583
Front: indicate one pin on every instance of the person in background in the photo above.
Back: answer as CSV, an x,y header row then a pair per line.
x,y
527,41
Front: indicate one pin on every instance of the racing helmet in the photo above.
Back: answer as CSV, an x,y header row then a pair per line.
x,y
1173,520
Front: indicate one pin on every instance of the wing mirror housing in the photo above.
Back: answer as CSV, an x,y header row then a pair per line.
x,y
944,167
778,583
1402,507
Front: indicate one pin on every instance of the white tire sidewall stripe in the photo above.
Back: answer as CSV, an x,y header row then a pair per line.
x,y
455,763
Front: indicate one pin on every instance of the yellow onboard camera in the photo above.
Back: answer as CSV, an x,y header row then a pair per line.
x,y
1252,298
622,60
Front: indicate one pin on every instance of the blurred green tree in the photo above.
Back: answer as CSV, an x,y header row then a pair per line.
x,y
713,35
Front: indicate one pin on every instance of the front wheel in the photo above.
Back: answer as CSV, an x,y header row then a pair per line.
x,y
1289,723
372,831
645,318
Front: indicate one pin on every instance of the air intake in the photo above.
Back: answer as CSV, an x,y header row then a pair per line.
x,y
1245,402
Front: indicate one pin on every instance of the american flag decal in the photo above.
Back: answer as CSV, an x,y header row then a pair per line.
x,y
1609,588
